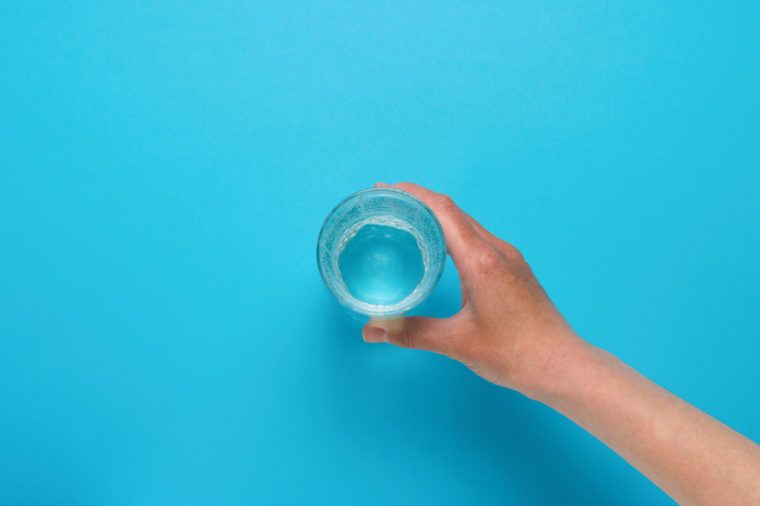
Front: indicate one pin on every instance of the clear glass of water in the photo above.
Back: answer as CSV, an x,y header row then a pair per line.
x,y
381,252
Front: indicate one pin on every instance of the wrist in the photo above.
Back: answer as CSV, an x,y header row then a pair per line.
x,y
554,366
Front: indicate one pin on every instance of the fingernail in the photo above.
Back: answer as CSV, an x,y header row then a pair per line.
x,y
381,184
374,335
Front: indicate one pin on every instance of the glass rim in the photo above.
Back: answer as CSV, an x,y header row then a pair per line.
x,y
404,305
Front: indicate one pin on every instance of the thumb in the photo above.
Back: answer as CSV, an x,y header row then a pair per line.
x,y
412,332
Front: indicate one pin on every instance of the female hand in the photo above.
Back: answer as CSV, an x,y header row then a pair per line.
x,y
507,331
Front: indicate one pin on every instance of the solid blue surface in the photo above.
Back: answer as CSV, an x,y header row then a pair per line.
x,y
165,337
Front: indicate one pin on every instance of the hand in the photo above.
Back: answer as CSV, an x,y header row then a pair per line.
x,y
507,331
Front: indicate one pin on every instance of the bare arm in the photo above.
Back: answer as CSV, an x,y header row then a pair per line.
x,y
690,455
509,332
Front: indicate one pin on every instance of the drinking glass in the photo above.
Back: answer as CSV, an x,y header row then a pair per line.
x,y
381,207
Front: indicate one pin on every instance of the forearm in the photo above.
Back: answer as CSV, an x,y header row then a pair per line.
x,y
691,456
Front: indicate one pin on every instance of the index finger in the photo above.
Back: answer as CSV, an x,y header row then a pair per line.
x,y
462,240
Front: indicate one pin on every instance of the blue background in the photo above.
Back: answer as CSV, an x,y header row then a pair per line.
x,y
164,334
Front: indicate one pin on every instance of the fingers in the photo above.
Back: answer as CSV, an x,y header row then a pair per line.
x,y
497,242
433,334
485,234
462,240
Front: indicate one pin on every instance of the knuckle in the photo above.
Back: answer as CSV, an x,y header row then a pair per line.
x,y
403,338
489,260
511,252
445,203
406,340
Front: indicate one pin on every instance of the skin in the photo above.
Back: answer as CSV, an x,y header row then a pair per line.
x,y
510,333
